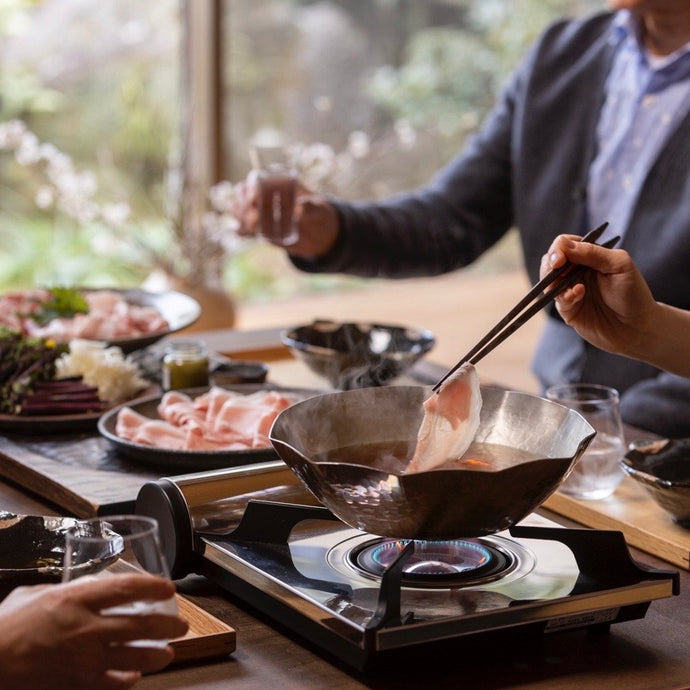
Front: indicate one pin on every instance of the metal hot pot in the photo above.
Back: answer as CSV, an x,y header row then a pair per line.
x,y
439,504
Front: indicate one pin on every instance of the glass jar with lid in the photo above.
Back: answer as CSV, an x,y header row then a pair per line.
x,y
185,365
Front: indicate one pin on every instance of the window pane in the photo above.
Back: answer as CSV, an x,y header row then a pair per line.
x,y
99,81
393,87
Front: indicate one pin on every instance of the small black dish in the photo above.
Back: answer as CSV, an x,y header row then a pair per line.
x,y
663,468
233,373
358,355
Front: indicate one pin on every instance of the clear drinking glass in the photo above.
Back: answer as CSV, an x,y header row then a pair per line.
x,y
118,544
597,473
276,179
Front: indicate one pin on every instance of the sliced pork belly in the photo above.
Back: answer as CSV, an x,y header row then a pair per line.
x,y
451,420
248,418
179,409
128,421
218,420
137,428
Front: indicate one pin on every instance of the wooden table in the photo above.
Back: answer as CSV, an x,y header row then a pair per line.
x,y
653,652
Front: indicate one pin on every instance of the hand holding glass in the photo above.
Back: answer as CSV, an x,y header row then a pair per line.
x,y
276,179
103,547
597,473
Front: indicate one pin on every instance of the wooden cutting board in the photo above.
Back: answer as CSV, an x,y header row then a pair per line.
x,y
207,637
632,511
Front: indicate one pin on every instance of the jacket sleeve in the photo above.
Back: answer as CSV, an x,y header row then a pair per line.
x,y
465,209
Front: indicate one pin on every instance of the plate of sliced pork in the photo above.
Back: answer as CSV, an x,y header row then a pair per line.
x,y
200,428
128,318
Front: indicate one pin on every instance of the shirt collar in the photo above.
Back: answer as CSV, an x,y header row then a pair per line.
x,y
627,29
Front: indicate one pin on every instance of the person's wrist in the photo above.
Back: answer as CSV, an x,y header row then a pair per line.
x,y
647,345
319,229
327,238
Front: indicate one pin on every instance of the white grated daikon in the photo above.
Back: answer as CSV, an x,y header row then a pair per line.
x,y
117,378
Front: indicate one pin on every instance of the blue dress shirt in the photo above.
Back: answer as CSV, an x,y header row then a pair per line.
x,y
645,99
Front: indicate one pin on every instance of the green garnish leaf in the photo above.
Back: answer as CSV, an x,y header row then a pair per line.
x,y
64,303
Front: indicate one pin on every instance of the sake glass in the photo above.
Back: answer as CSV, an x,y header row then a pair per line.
x,y
597,473
277,180
119,544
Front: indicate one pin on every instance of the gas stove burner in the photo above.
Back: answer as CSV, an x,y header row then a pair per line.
x,y
457,562
297,564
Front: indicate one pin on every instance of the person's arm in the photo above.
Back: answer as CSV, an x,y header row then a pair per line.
x,y
464,210
55,636
614,309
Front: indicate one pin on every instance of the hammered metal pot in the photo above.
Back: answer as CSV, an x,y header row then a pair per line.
x,y
438,504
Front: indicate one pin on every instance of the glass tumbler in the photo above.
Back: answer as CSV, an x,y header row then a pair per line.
x,y
597,473
118,544
277,181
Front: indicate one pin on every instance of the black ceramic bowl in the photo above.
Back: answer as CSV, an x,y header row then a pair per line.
x,y
358,355
663,468
32,548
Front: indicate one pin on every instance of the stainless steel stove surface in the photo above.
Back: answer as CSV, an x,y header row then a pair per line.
x,y
260,535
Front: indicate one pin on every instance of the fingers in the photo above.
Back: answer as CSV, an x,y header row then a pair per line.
x,y
119,680
246,207
571,248
568,302
556,255
144,659
103,593
154,626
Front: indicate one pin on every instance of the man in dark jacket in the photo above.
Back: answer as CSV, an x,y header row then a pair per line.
x,y
593,127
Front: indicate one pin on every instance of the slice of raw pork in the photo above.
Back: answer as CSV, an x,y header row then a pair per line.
x,y
451,420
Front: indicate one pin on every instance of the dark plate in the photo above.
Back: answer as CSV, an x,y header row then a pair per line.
x,y
57,423
31,549
190,460
178,309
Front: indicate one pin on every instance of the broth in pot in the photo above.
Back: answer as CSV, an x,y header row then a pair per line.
x,y
393,457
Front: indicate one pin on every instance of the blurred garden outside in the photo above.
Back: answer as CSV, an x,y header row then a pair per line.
x,y
391,88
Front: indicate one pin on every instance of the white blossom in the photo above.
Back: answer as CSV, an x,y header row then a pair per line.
x,y
315,162
57,163
105,244
116,214
45,196
359,144
406,134
11,134
222,196
28,152
324,104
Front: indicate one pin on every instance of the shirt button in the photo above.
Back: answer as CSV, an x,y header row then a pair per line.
x,y
665,118
649,100
627,182
637,142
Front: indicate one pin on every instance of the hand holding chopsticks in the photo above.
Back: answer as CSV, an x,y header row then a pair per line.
x,y
535,300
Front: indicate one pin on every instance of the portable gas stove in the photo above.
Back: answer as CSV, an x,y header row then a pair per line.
x,y
259,534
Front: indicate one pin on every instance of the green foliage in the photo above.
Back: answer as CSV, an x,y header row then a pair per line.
x,y
446,73
33,253
64,302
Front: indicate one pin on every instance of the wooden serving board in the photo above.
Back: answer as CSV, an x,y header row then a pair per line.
x,y
78,472
632,511
206,638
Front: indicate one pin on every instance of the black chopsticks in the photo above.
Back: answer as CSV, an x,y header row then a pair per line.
x,y
564,276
